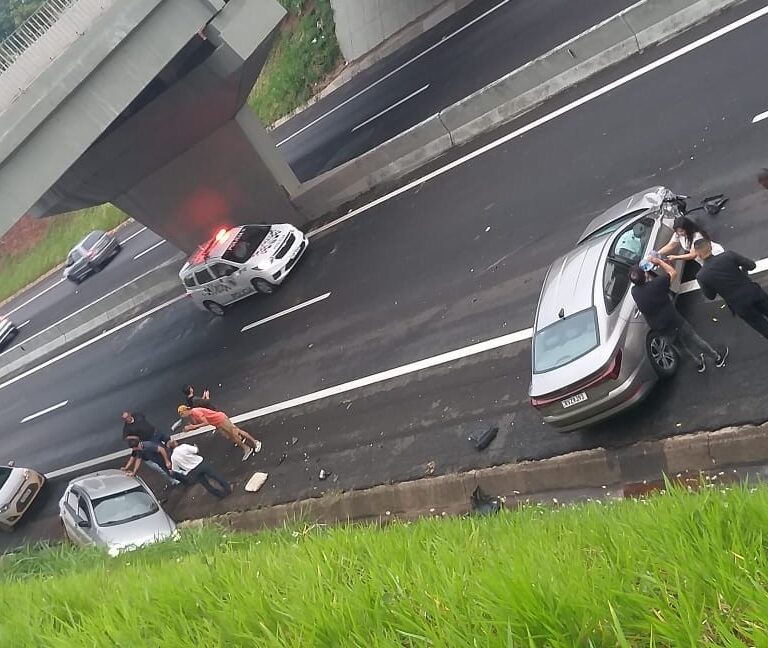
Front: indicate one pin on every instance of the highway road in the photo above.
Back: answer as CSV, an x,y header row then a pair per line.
x,y
455,58
449,263
460,55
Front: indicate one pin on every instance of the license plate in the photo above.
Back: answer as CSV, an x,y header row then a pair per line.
x,y
573,400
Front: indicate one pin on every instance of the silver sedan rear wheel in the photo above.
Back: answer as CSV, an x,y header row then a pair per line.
x,y
663,355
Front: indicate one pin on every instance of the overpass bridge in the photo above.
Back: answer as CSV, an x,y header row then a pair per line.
x,y
141,104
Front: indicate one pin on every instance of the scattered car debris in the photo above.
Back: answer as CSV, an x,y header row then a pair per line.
x,y
483,440
256,482
483,504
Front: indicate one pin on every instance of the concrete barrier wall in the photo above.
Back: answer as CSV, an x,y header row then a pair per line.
x,y
646,23
363,25
160,283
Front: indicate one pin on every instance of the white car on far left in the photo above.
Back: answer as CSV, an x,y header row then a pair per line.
x,y
8,330
18,489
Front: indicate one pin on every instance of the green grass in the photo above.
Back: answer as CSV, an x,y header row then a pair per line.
x,y
676,570
301,57
63,232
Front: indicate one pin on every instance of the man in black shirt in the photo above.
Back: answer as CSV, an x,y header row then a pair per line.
x,y
137,427
726,275
651,294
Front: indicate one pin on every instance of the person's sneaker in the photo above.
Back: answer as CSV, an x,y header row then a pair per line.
x,y
247,453
721,358
702,364
257,447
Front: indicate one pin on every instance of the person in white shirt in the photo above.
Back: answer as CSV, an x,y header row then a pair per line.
x,y
189,467
687,232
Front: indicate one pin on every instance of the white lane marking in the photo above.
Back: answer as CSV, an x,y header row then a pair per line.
x,y
124,241
760,117
89,342
149,249
40,294
45,411
393,72
293,309
551,116
80,310
690,286
392,107
23,324
420,365
389,374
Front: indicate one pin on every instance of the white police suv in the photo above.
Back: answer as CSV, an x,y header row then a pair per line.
x,y
241,261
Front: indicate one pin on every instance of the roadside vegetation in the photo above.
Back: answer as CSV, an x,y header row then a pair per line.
x,y
33,253
304,53
677,569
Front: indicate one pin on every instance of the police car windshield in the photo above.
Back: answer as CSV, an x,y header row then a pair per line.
x,y
246,242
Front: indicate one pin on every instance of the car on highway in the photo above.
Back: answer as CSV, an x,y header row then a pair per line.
x,y
8,330
593,354
18,489
113,510
90,255
241,261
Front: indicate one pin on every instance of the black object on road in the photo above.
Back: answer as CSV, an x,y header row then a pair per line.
x,y
484,440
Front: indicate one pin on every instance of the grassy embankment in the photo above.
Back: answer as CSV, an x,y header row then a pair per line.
x,y
304,53
675,570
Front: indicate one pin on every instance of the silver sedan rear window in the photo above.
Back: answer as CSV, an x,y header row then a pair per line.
x,y
565,340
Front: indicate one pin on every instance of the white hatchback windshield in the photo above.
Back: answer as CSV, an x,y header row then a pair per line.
x,y
123,507
565,340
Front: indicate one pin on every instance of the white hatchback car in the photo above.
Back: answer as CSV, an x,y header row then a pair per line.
x,y
240,262
18,489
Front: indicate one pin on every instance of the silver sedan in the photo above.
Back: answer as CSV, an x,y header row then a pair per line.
x,y
593,352
113,510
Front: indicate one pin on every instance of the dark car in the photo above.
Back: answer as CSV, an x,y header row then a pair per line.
x,y
8,330
90,255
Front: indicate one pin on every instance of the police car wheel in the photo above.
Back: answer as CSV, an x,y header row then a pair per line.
x,y
263,286
214,308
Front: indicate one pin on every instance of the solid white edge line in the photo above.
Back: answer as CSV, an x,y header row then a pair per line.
x,y
389,374
135,234
149,249
81,309
45,411
420,365
393,72
691,286
287,311
40,294
645,69
89,342
392,107
760,117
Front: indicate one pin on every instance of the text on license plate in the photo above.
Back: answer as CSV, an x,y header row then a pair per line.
x,y
573,400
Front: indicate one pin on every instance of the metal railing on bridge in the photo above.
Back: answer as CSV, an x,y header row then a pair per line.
x,y
40,39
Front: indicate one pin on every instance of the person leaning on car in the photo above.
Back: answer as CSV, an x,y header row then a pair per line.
x,y
651,294
726,275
